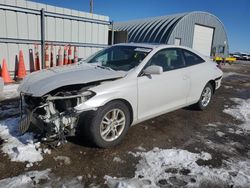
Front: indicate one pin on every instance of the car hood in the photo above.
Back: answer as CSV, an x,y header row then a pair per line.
x,y
40,83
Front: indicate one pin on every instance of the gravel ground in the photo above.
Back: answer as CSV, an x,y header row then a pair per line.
x,y
78,164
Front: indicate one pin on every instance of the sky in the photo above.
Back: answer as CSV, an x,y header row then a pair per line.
x,y
234,14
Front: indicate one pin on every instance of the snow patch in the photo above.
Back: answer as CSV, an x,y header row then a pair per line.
x,y
41,179
140,148
20,148
28,179
9,91
176,167
240,111
228,87
220,134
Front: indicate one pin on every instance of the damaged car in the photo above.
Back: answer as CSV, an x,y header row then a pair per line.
x,y
120,86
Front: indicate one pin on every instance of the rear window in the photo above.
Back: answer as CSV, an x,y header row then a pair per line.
x,y
191,58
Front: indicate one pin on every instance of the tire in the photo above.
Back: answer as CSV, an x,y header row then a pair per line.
x,y
103,121
203,103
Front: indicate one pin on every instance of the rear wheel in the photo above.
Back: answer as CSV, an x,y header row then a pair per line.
x,y
107,126
205,98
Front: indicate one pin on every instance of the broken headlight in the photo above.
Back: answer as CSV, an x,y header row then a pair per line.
x,y
64,103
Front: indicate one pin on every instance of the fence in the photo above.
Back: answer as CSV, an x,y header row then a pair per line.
x,y
25,23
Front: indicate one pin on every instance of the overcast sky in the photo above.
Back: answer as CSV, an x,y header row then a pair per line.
x,y
235,14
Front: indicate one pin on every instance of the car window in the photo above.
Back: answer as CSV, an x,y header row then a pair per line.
x,y
191,58
121,58
168,59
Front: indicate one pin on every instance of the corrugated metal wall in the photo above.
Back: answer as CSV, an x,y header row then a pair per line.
x,y
185,30
165,29
20,20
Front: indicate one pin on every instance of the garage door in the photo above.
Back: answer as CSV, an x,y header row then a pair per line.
x,y
203,37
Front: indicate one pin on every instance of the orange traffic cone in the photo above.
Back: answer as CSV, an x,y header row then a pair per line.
x,y
65,60
46,57
75,55
37,61
60,59
21,72
51,56
6,74
70,55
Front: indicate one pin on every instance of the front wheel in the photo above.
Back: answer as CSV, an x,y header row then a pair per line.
x,y
107,126
205,98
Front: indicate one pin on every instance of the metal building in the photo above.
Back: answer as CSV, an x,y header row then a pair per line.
x,y
21,27
201,31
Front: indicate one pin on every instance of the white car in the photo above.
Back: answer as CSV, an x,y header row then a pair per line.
x,y
1,84
119,86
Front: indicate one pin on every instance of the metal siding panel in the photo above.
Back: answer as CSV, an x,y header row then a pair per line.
x,y
50,8
88,32
3,32
59,29
106,33
11,24
4,53
50,28
101,34
31,5
33,31
81,52
10,2
82,32
67,11
74,32
87,52
94,33
21,3
41,6
22,24
13,51
66,30
59,10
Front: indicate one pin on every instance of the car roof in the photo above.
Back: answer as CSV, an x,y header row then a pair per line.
x,y
153,45
143,45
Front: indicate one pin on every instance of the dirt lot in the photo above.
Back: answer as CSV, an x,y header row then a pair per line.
x,y
211,131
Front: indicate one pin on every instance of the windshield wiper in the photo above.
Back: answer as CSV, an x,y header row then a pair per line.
x,y
103,67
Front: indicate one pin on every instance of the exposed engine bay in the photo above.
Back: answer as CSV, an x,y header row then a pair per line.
x,y
53,115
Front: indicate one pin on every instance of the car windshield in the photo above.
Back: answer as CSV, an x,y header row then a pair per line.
x,y
121,58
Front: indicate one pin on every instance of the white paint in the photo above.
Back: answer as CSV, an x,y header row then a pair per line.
x,y
203,38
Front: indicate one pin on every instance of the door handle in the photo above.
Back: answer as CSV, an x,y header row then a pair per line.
x,y
185,77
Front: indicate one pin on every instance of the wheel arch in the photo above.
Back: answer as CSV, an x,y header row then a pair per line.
x,y
127,103
212,82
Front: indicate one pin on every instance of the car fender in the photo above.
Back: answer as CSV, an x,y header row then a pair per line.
x,y
112,91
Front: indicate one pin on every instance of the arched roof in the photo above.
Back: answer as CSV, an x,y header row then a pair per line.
x,y
160,29
150,29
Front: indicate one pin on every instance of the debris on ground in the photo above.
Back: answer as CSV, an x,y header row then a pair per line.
x,y
118,160
66,160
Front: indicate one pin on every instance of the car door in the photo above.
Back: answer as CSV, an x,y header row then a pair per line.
x,y
198,75
158,94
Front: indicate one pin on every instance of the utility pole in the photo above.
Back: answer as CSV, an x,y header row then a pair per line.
x,y
91,7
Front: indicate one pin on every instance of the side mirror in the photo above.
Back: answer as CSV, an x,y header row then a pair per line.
x,y
153,69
